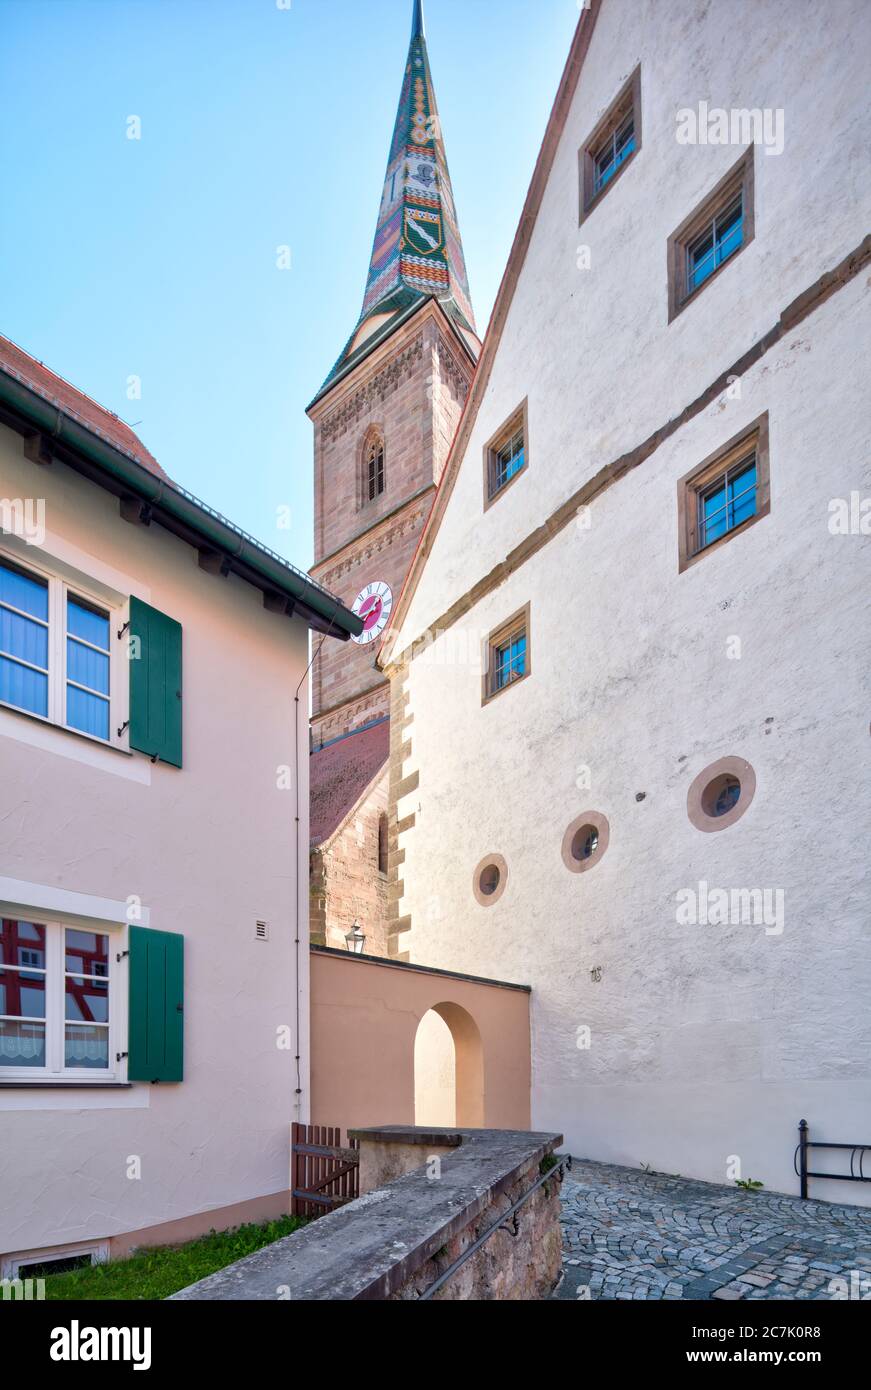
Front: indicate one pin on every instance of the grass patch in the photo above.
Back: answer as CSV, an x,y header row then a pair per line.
x,y
158,1271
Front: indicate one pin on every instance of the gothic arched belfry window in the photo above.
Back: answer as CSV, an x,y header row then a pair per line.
x,y
373,471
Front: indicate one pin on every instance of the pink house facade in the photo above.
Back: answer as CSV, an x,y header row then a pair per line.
x,y
153,842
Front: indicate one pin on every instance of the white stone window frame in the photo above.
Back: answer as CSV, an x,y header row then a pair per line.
x,y
55,1072
60,587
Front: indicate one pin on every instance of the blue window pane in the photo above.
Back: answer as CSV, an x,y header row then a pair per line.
x,y
23,688
728,796
730,241
604,170
715,521
702,261
509,460
619,146
510,661
716,244
730,220
89,713
30,595
513,466
87,667
731,501
22,638
83,622
22,1044
86,1046
742,493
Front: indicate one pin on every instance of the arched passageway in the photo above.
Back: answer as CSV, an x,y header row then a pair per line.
x,y
448,1069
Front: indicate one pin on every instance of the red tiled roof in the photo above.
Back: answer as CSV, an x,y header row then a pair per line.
x,y
17,363
340,774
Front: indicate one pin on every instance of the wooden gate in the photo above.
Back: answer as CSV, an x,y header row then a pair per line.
x,y
324,1173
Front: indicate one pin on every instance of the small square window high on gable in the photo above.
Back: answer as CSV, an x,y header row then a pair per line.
x,y
613,143
725,493
506,655
713,234
506,455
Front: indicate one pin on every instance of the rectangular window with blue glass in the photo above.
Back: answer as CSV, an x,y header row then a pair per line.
x,y
725,493
24,640
87,673
55,651
507,655
506,455
612,145
713,234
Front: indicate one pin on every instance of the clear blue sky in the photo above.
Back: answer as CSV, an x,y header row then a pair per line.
x,y
261,126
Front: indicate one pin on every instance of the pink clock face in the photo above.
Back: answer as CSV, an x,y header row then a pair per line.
x,y
374,605
370,611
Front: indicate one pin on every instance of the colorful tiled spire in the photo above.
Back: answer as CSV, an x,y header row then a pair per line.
x,y
417,252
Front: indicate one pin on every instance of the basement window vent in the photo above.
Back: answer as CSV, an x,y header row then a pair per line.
x,y
37,1264
261,931
54,1264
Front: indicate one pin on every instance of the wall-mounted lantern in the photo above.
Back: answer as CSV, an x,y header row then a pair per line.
x,y
355,939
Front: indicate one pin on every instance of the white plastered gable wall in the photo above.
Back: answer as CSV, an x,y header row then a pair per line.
x,y
707,1042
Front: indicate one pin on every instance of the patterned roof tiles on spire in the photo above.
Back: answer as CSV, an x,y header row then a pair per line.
x,y
418,252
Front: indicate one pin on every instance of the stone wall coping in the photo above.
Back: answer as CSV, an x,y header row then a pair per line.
x,y
390,964
370,1248
410,1134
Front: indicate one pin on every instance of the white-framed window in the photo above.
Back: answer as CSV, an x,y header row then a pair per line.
x,y
60,657
29,1264
58,1002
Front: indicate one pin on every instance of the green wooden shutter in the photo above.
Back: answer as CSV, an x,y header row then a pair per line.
x,y
155,1044
155,683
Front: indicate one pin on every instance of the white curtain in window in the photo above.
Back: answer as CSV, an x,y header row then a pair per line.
x,y
81,1051
21,1047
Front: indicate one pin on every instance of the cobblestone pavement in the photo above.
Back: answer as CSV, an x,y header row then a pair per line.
x,y
629,1234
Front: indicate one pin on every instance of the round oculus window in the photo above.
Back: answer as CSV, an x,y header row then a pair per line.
x,y
585,841
720,794
489,879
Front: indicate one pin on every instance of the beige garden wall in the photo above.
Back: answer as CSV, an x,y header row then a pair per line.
x,y
364,1019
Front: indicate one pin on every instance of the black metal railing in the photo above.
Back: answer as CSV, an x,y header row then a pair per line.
x,y
800,1159
561,1162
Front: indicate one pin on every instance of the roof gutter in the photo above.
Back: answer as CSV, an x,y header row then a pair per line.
x,y
132,478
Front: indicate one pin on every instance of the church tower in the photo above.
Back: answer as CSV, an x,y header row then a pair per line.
x,y
383,423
